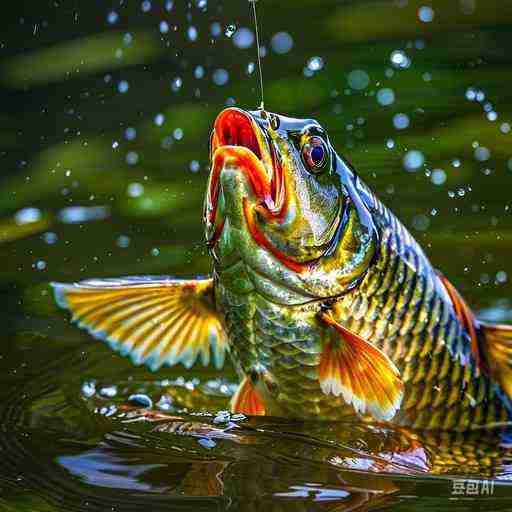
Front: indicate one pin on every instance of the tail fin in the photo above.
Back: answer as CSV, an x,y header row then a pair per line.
x,y
497,349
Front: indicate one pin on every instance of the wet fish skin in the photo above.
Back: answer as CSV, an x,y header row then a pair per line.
x,y
328,306
400,305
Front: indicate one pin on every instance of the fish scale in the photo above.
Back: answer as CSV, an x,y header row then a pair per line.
x,y
398,307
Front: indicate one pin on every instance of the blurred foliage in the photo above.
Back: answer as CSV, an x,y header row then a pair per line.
x,y
71,138
82,56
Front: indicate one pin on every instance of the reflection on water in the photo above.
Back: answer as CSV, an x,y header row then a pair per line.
x,y
105,122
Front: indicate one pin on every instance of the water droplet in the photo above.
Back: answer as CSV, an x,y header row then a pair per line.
x,y
230,30
399,59
40,264
50,238
192,33
243,38
501,277
112,17
505,127
77,214
456,162
220,77
358,79
194,166
482,154
163,27
420,222
123,86
438,176
315,64
390,143
176,84
400,121
207,443
492,116
426,14
202,5
164,403
385,97
155,251
215,29
27,216
123,241
281,42
250,68
159,119
413,160
135,190
145,6
132,158
178,133
141,400
88,388
130,133
109,391
199,72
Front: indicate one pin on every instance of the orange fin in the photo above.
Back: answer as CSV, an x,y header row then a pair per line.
x,y
466,317
496,341
362,374
246,400
157,321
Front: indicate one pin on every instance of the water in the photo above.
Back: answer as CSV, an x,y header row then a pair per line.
x,y
105,123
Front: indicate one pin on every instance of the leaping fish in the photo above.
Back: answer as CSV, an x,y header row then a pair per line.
x,y
324,301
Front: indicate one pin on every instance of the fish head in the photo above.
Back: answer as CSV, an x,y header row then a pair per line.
x,y
277,200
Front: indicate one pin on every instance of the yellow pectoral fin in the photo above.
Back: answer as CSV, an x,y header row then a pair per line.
x,y
362,374
157,321
246,400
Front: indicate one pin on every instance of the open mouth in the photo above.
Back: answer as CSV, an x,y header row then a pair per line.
x,y
237,140
234,127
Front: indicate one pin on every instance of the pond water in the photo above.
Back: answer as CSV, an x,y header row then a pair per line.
x,y
106,113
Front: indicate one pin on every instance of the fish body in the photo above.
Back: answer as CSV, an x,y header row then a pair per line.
x,y
326,303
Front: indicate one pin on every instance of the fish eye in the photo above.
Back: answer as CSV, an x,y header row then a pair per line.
x,y
315,154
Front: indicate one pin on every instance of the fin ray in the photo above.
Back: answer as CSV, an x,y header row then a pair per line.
x,y
497,350
155,320
358,371
246,400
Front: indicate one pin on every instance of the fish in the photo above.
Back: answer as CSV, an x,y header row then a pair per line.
x,y
325,303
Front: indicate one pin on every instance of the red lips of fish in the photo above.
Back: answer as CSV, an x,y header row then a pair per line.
x,y
235,133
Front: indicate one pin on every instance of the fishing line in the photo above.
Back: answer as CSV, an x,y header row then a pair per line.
x,y
255,15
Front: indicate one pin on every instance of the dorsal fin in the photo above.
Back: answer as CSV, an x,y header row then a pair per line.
x,y
466,318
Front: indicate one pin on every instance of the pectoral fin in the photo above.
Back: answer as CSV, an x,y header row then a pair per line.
x,y
157,321
362,374
246,400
